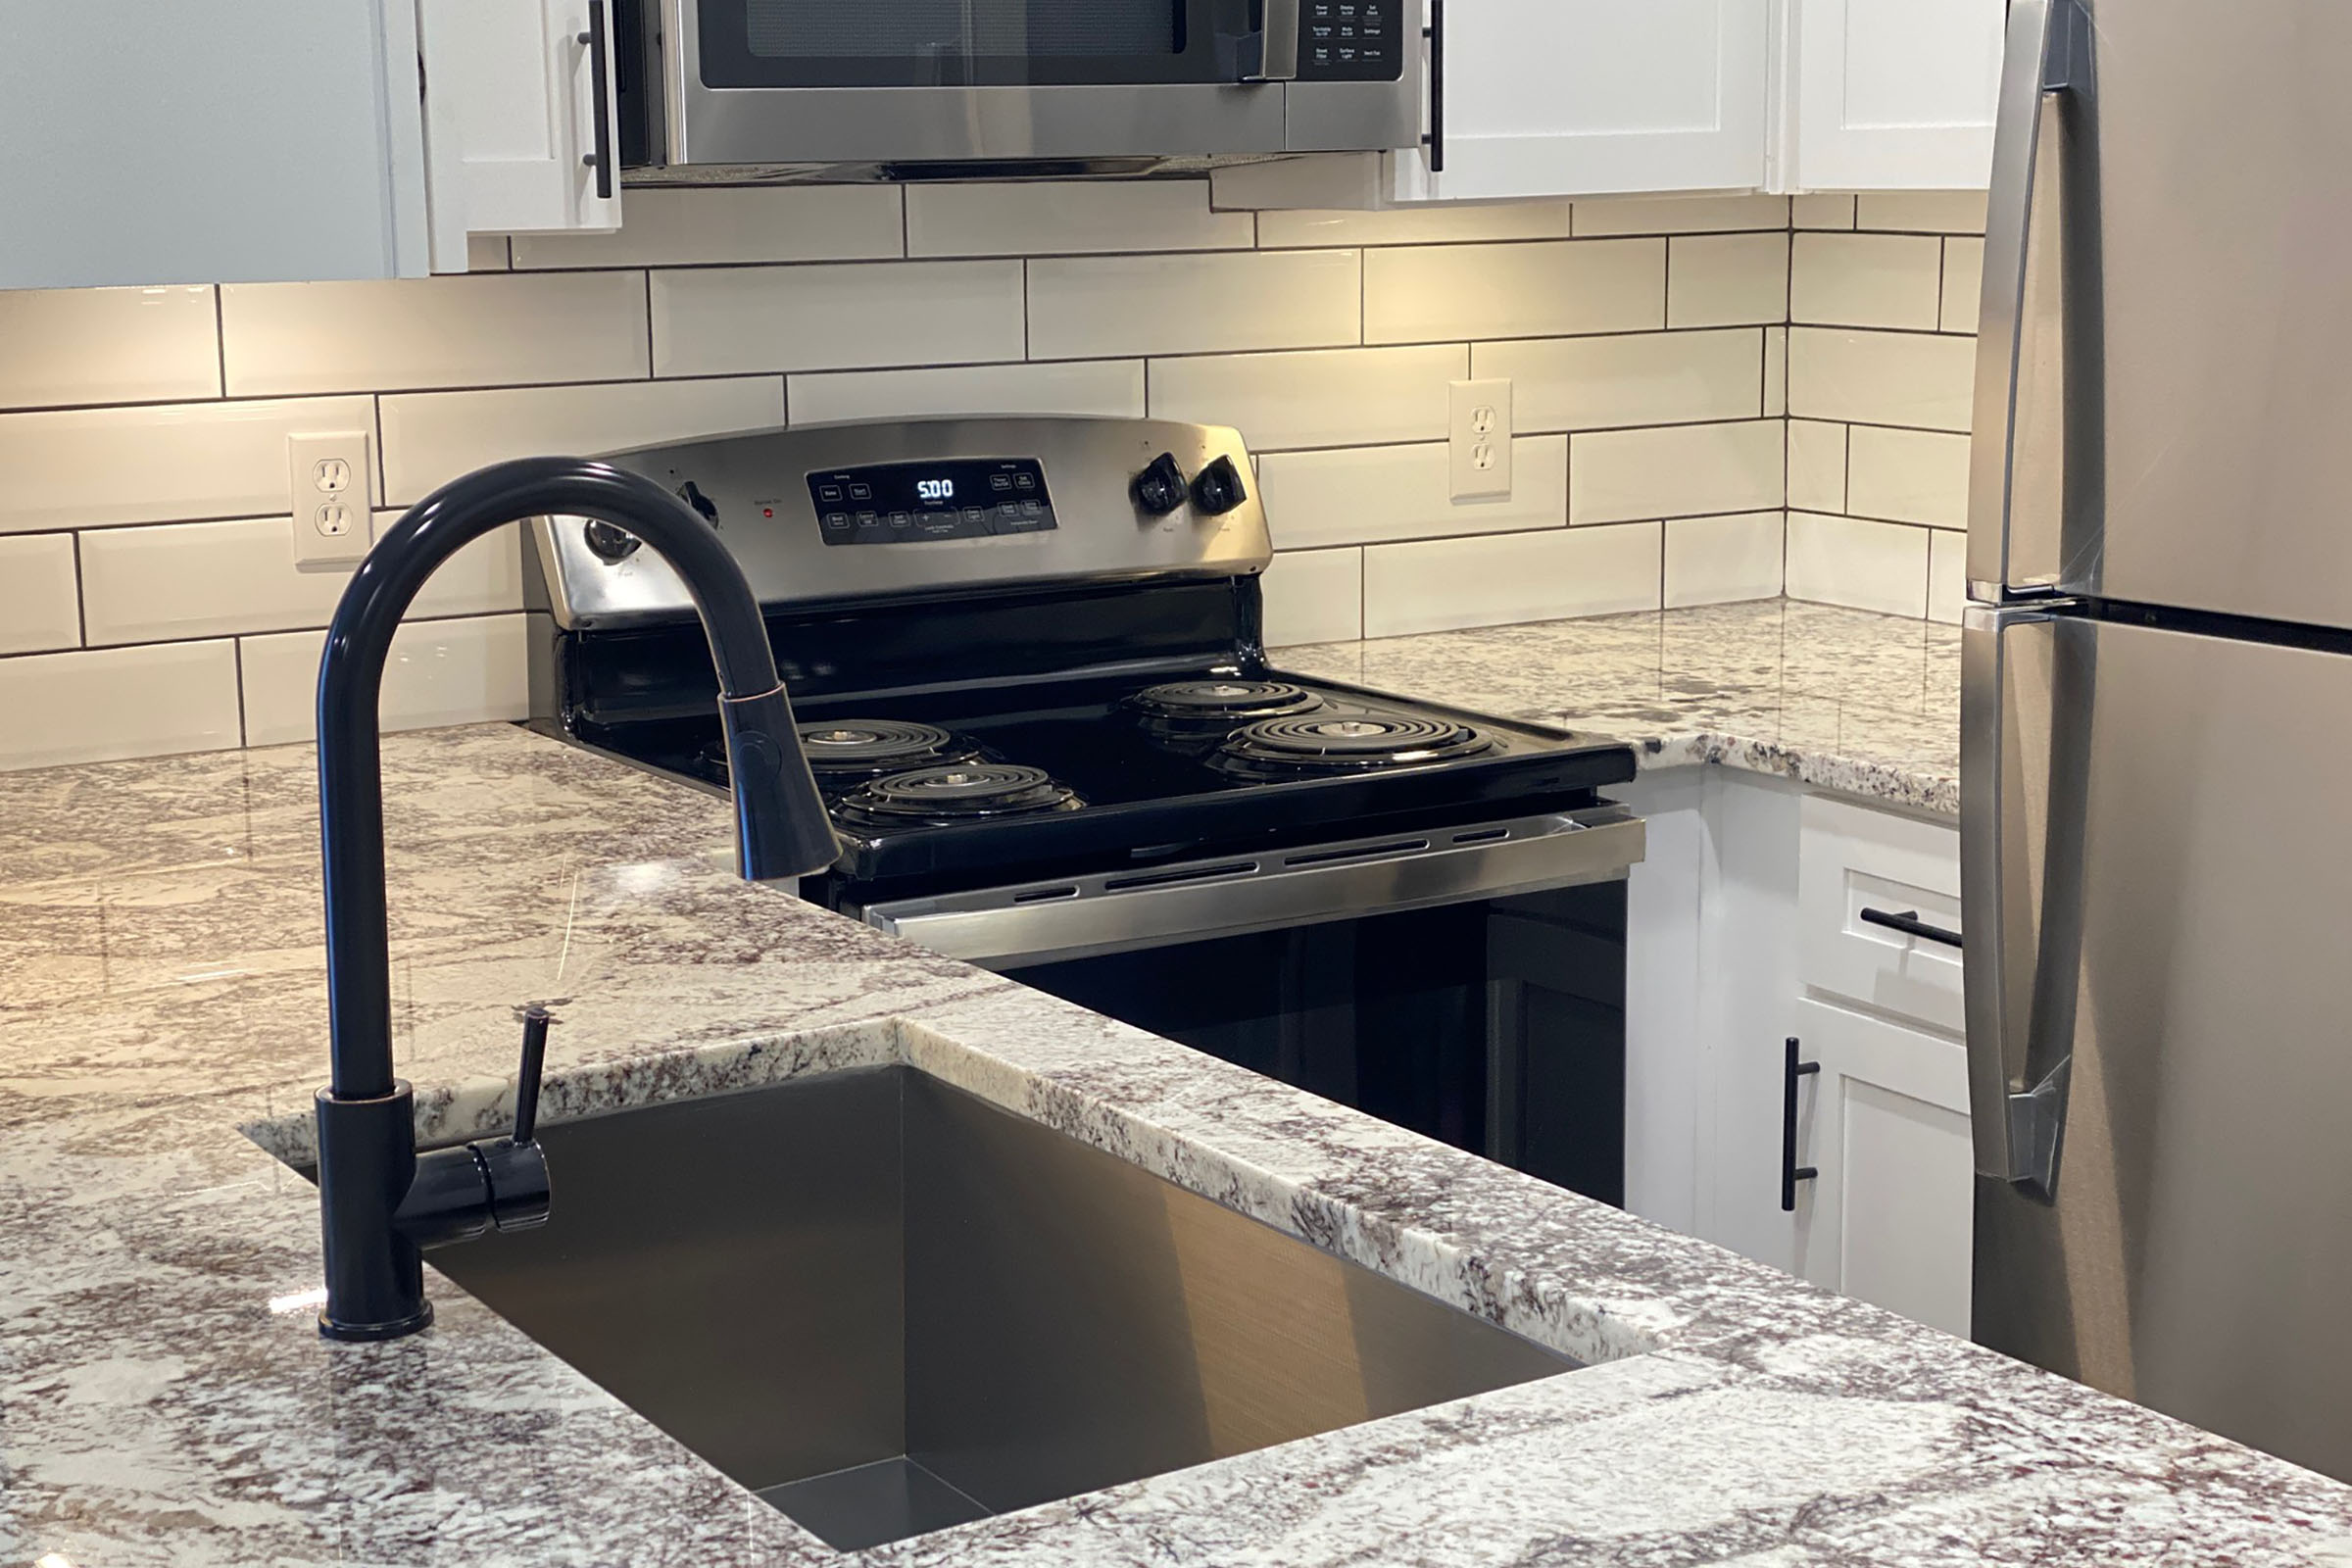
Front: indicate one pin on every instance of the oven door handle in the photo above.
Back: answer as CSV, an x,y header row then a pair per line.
x,y
1043,922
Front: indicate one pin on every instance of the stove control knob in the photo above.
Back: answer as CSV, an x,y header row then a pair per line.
x,y
1219,489
608,543
1159,489
692,494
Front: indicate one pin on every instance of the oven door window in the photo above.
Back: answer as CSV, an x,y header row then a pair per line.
x,y
1497,1026
971,43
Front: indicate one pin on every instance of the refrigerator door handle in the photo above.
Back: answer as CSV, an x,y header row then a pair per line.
x,y
2017,467
2021,825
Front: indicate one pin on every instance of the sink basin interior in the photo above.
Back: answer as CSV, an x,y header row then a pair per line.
x,y
888,1306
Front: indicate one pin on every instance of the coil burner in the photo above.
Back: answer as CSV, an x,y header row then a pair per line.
x,y
868,748
1356,742
956,792
1223,702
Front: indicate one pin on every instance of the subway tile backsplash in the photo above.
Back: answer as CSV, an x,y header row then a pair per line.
x,y
107,345
734,320
430,438
1678,471
1368,494
1416,293
1679,441
1648,378
1087,306
1318,398
38,608
284,339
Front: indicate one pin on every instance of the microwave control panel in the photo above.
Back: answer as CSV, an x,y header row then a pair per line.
x,y
910,503
1349,40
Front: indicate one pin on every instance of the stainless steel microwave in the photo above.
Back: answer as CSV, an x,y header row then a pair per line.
x,y
713,89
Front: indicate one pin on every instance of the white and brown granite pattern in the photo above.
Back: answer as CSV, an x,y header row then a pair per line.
x,y
1842,699
163,1399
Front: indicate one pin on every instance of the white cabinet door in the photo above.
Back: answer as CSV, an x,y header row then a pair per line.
x,y
1890,94
511,99
1885,1122
1596,97
173,143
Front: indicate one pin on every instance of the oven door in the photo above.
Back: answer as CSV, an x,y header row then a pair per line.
x,y
891,81
1468,983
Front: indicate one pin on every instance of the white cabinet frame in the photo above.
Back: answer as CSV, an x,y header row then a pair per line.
x,y
510,111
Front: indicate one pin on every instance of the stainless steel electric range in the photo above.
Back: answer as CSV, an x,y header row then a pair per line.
x,y
1028,661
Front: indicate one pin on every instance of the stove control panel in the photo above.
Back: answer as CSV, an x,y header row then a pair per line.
x,y
914,503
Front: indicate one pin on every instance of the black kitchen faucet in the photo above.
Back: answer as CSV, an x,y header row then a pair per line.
x,y
381,1202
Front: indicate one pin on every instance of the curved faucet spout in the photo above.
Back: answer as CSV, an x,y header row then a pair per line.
x,y
374,1273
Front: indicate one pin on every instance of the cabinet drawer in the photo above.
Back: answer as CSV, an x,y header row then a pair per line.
x,y
1875,893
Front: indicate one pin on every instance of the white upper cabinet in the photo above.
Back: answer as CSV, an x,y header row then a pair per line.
x,y
1608,97
521,120
291,140
1890,95
1590,97
154,143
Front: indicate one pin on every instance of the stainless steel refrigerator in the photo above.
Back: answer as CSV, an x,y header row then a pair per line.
x,y
2157,714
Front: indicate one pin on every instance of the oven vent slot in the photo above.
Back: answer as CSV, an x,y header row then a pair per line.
x,y
1039,895
1161,879
1483,835
1367,852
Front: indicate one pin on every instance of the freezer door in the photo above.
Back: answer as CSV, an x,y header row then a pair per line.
x,y
2160,1017
2162,391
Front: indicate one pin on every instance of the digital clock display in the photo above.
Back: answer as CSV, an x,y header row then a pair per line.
x,y
907,502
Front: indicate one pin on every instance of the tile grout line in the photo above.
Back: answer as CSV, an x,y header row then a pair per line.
x,y
237,656
219,343
81,600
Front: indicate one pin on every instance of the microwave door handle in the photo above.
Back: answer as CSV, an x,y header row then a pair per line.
x,y
2017,478
1278,43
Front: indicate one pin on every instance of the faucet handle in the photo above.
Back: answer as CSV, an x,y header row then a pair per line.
x,y
514,1167
500,1183
535,1020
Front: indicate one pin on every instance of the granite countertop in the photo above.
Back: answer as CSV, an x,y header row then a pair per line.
x,y
167,1399
1862,704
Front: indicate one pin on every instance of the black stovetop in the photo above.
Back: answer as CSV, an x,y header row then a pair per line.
x,y
1009,781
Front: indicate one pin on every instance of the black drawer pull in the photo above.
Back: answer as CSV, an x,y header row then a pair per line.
x,y
1791,1171
1911,925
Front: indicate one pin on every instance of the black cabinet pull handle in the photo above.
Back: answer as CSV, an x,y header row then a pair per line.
x,y
599,83
1434,137
1791,1171
1911,925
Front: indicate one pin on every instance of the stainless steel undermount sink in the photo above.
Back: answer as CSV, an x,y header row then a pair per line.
x,y
888,1306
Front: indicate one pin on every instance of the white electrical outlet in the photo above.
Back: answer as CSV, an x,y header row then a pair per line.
x,y
1481,440
326,476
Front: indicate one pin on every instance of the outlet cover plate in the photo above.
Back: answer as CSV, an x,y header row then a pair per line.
x,y
326,482
1480,440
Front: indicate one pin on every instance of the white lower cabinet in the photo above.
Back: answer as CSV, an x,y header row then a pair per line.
x,y
1747,930
1885,1125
